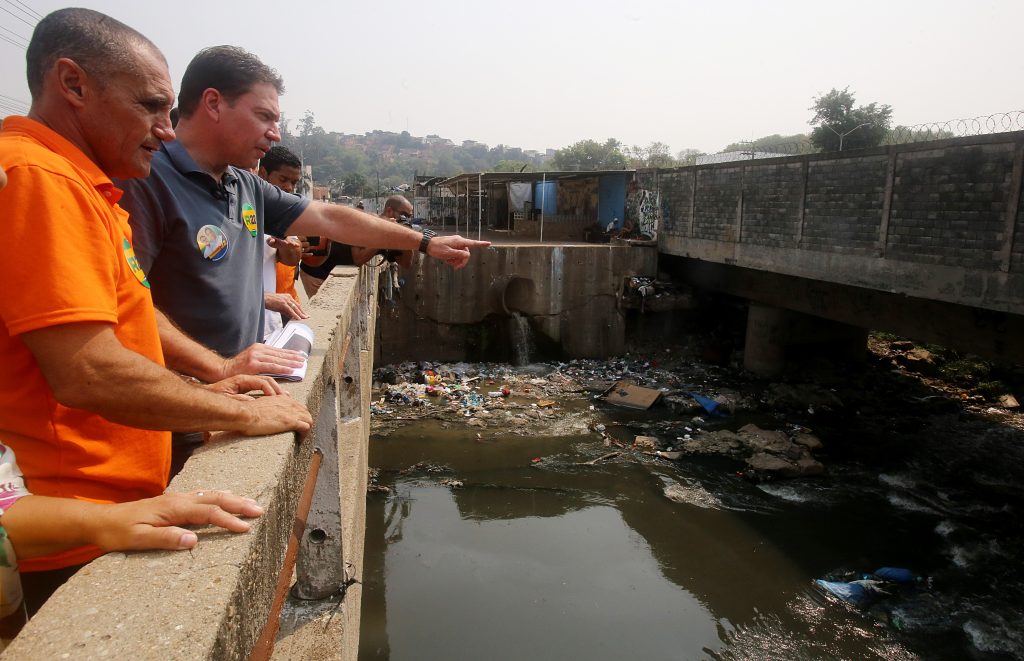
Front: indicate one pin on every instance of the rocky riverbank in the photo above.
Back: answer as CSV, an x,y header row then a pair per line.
x,y
773,430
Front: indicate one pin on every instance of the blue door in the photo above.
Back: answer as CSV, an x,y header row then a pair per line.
x,y
611,199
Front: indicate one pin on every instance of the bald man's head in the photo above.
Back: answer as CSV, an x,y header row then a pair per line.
x,y
96,42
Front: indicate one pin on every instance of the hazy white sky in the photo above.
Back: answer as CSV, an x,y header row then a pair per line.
x,y
538,74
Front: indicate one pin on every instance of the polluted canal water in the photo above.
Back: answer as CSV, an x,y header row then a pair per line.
x,y
549,524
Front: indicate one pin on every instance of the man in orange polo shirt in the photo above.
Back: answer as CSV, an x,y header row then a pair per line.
x,y
85,387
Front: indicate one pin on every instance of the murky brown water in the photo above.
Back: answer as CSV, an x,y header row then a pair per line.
x,y
558,560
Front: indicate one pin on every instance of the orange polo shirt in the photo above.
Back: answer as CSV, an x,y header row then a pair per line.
x,y
285,278
66,257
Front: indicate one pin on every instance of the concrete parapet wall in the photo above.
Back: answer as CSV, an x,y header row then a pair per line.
x,y
213,602
939,220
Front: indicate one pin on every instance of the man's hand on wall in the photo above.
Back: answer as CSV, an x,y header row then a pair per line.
x,y
284,304
262,359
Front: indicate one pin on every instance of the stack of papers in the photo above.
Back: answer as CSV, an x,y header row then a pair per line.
x,y
297,337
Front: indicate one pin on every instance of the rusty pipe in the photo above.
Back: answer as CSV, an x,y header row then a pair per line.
x,y
264,647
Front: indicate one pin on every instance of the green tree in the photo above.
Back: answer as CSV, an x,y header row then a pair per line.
x,y
654,155
798,143
512,166
590,155
688,156
840,125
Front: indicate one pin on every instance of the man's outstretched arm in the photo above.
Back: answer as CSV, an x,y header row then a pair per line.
x,y
41,525
357,228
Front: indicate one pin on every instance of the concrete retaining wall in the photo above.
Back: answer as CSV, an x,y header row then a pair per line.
x,y
213,603
569,294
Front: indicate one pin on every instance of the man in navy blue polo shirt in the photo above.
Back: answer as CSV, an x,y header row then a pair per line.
x,y
199,220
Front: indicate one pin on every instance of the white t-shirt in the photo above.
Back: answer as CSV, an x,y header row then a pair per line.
x,y
271,320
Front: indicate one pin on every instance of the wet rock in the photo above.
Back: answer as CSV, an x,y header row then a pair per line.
x,y
476,422
765,464
646,443
919,360
723,442
764,440
795,452
691,495
809,441
810,466
901,345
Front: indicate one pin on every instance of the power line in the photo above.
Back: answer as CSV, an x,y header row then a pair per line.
x,y
11,101
28,10
12,42
31,25
15,34
12,110
13,107
19,9
15,99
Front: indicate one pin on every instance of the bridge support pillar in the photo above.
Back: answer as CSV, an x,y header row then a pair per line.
x,y
777,337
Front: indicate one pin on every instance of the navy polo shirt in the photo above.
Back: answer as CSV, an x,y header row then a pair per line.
x,y
200,243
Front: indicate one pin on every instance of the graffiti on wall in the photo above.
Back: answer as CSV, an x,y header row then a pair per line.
x,y
643,210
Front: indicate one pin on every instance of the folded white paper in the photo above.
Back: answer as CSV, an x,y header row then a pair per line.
x,y
297,337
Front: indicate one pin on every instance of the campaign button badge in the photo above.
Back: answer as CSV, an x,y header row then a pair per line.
x,y
249,218
133,263
212,243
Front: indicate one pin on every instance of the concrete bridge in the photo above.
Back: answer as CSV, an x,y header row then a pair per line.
x,y
925,240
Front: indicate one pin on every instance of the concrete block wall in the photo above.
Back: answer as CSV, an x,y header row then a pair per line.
x,y
772,196
941,220
676,200
1017,252
843,204
717,203
949,205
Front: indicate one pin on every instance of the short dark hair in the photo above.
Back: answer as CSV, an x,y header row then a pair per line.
x,y
230,70
279,157
396,202
96,42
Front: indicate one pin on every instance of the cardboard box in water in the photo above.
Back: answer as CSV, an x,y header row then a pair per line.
x,y
631,396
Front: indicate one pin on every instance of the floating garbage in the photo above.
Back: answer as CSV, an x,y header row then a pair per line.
x,y
860,593
870,588
631,396
708,404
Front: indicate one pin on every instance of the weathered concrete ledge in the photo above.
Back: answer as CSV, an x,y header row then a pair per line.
x,y
212,603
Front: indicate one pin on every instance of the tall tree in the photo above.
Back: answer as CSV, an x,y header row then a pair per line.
x,y
688,156
840,125
590,155
508,165
654,155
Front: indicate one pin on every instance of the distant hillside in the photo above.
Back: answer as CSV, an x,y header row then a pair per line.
x,y
353,161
